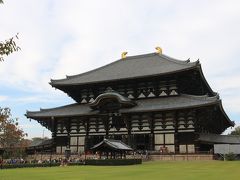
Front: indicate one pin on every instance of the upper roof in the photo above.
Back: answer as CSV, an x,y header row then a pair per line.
x,y
128,68
142,105
112,144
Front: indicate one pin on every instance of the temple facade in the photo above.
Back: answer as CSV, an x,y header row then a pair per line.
x,y
150,102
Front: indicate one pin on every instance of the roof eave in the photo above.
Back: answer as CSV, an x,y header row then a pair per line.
x,y
231,123
37,117
199,67
59,85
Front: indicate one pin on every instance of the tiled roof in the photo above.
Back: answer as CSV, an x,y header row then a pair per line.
x,y
128,68
219,139
113,144
142,105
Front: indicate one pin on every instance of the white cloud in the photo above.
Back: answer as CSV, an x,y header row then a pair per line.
x,y
35,130
36,99
61,38
3,98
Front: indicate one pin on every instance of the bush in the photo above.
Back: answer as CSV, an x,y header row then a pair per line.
x,y
113,162
75,163
28,165
11,166
109,162
230,157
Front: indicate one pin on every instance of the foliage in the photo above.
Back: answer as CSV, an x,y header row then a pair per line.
x,y
230,157
11,136
32,165
28,165
236,131
8,46
113,162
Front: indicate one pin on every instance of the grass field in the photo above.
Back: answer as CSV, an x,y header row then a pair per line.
x,y
148,171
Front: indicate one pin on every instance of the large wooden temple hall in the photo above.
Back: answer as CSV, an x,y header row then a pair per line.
x,y
150,102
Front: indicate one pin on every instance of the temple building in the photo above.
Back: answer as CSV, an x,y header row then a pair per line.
x,y
150,102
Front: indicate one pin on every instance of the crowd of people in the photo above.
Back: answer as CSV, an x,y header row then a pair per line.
x,y
35,161
64,160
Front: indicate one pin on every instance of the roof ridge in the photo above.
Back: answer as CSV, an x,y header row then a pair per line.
x,y
140,56
174,60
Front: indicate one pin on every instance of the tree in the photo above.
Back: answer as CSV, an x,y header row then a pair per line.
x,y
8,46
11,135
236,131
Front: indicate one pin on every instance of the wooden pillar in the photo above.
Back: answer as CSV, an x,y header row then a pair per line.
x,y
54,134
196,129
176,137
86,127
68,128
106,125
127,122
151,135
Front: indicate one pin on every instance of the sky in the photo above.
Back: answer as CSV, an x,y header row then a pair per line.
x,y
59,38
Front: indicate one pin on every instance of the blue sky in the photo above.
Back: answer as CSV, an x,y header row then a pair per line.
x,y
60,38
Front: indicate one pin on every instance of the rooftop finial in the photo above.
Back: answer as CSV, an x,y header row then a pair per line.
x,y
124,55
159,50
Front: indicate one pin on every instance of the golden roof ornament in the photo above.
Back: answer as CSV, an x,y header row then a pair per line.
x,y
124,55
159,50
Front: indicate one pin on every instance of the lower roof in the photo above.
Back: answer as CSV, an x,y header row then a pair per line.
x,y
112,144
142,105
41,143
219,139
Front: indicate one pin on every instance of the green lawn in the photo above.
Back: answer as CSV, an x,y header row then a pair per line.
x,y
148,171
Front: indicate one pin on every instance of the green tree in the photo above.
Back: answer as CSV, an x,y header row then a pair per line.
x,y
236,131
8,46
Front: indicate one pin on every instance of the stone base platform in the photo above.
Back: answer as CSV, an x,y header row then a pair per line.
x,y
181,157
